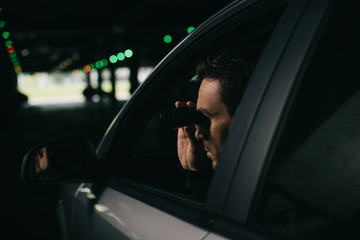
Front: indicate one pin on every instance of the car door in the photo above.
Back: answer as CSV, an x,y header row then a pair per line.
x,y
297,175
141,193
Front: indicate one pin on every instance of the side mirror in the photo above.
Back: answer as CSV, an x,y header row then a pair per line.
x,y
59,159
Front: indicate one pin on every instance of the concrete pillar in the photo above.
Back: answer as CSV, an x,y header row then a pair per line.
x,y
113,81
134,82
88,91
100,80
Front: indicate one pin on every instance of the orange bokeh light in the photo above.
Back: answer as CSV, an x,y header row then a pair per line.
x,y
87,68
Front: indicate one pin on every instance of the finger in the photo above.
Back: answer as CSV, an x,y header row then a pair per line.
x,y
194,144
191,104
179,104
190,132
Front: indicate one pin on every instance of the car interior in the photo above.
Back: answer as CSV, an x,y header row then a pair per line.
x,y
312,188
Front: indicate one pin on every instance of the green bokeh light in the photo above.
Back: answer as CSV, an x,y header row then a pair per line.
x,y
190,29
113,59
105,62
8,43
120,56
128,53
99,64
2,24
167,39
6,35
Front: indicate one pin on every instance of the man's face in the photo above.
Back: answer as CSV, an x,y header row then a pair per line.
x,y
41,161
210,104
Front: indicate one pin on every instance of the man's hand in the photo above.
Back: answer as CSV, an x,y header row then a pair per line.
x,y
191,151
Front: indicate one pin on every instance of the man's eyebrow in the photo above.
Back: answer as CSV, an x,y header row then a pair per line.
x,y
205,112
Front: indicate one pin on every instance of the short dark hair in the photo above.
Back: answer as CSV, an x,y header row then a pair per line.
x,y
232,72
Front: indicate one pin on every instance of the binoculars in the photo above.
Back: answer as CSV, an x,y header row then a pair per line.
x,y
180,117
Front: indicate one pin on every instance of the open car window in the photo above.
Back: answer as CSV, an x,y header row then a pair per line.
x,y
148,156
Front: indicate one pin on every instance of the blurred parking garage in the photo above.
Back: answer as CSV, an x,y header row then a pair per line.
x,y
66,68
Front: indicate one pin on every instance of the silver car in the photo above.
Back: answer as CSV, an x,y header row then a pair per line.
x,y
290,166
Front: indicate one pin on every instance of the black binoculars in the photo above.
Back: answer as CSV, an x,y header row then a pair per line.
x,y
180,117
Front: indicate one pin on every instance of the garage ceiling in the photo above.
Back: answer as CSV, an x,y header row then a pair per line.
x,y
68,34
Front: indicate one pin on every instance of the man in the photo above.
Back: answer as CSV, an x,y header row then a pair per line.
x,y
223,81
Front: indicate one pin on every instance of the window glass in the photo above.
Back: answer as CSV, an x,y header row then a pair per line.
x,y
312,187
150,155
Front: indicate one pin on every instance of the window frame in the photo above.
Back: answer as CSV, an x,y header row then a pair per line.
x,y
252,160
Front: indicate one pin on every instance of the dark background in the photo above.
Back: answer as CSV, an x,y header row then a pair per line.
x,y
52,31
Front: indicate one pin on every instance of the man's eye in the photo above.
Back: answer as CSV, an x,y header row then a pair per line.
x,y
207,121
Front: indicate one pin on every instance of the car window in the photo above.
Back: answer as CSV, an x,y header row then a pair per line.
x,y
312,186
149,155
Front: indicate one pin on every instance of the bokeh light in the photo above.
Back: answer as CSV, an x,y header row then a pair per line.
x,y
128,53
167,39
121,56
113,59
190,29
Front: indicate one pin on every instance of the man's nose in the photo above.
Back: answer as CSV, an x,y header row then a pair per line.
x,y
201,132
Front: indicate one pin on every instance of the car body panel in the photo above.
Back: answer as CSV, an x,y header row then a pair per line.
x,y
118,216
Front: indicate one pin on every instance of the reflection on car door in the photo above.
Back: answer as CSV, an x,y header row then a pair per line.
x,y
118,216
